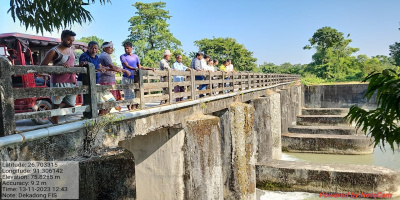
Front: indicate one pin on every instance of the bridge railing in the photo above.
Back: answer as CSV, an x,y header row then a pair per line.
x,y
153,87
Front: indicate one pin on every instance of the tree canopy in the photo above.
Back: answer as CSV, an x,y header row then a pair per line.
x,y
149,33
228,48
332,59
47,15
395,53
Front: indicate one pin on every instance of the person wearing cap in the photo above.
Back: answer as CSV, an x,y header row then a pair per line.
x,y
108,77
164,65
131,63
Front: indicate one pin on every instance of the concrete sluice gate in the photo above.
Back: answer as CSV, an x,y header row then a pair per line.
x,y
220,149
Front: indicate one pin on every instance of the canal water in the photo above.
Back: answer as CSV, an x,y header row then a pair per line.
x,y
384,157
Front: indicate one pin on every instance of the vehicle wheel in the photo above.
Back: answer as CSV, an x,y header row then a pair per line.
x,y
41,105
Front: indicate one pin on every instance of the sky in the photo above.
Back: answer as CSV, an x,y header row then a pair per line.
x,y
274,30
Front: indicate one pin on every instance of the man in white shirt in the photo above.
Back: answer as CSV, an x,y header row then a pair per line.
x,y
178,66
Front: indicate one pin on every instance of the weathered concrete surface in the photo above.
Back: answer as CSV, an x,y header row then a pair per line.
x,y
109,176
61,147
226,151
244,149
284,99
333,178
324,111
176,118
7,124
159,163
267,126
290,98
309,120
337,96
329,144
202,152
295,103
330,130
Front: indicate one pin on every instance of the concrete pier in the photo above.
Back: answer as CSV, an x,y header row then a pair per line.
x,y
159,163
243,178
203,165
267,125
110,175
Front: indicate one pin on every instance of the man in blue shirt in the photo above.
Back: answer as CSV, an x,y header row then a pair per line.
x,y
90,56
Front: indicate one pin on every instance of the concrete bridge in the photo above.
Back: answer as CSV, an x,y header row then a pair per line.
x,y
201,148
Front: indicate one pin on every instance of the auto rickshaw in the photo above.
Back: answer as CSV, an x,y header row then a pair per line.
x,y
24,49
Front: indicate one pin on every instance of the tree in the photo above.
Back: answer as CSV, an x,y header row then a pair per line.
x,y
228,48
332,58
150,35
383,122
47,15
395,53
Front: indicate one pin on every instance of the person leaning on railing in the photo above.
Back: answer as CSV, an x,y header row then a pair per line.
x,y
228,68
62,55
178,66
164,65
131,62
108,77
90,56
198,66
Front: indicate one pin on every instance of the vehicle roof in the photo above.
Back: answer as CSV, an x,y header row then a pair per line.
x,y
35,40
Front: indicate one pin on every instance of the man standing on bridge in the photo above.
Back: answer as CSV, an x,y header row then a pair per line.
x,y
131,63
62,55
196,65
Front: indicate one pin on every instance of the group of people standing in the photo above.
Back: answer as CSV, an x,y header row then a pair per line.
x,y
205,63
63,55
106,69
200,63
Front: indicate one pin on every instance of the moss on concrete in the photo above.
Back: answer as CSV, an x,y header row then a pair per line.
x,y
273,186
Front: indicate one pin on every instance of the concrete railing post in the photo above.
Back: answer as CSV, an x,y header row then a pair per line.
x,y
7,121
223,82
170,86
233,81
209,81
192,84
248,80
90,99
141,89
